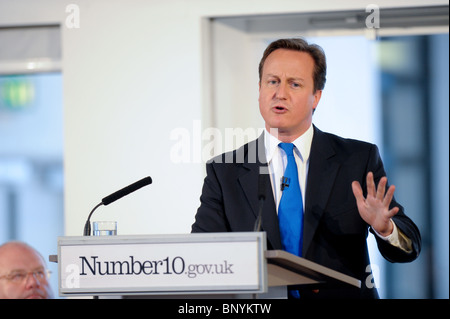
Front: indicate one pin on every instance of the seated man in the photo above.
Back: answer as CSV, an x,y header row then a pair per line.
x,y
23,273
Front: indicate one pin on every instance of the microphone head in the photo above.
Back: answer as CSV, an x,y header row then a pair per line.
x,y
126,190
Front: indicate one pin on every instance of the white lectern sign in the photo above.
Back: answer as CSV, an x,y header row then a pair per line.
x,y
162,264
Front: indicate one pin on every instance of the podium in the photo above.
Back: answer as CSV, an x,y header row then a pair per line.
x,y
200,265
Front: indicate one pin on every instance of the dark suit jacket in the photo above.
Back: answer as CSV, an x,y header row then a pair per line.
x,y
334,233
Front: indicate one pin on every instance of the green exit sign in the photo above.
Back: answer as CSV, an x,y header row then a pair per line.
x,y
16,93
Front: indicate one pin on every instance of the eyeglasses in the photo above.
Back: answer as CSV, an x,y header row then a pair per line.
x,y
21,276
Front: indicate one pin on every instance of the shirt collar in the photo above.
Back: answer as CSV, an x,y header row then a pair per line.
x,y
302,144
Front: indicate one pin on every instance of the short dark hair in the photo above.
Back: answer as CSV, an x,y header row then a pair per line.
x,y
299,44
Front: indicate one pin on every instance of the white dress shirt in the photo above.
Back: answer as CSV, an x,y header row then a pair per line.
x,y
277,161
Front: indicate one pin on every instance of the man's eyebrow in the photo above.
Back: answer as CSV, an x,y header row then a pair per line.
x,y
293,78
24,270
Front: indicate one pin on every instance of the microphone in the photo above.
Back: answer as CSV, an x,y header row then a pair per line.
x,y
115,196
285,181
126,190
262,182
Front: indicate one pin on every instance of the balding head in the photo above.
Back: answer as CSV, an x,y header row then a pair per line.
x,y
23,272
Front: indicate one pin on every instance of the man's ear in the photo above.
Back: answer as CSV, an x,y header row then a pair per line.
x,y
317,97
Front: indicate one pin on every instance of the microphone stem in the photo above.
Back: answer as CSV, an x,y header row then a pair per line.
x,y
257,226
87,226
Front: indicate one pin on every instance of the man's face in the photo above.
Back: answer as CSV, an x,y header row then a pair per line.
x,y
16,261
286,93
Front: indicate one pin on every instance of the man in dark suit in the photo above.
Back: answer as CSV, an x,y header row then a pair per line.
x,y
344,191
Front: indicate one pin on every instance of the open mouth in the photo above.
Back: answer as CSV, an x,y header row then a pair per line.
x,y
279,109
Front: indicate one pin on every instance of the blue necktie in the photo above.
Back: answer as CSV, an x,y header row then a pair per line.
x,y
290,210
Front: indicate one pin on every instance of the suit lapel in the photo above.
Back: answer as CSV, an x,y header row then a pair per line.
x,y
254,164
321,175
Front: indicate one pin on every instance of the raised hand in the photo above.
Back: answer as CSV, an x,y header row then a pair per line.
x,y
374,209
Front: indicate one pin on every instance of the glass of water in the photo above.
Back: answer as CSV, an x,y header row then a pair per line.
x,y
104,228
